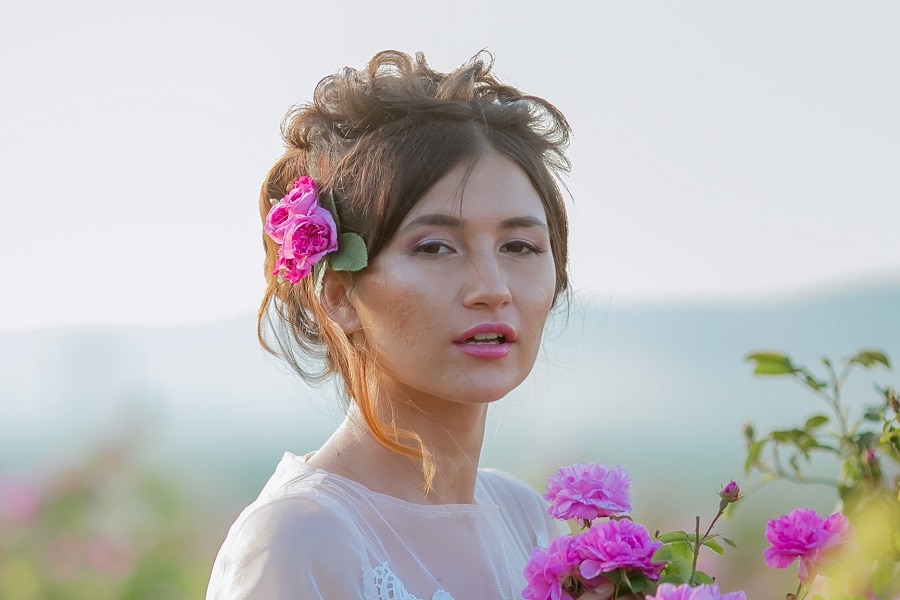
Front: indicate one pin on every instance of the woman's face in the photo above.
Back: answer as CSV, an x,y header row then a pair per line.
x,y
454,306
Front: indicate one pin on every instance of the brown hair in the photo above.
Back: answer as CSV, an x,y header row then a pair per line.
x,y
378,139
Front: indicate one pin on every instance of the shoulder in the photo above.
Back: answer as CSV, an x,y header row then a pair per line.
x,y
295,541
293,523
296,507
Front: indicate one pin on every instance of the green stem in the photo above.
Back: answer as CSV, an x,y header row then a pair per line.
x,y
698,541
783,473
696,549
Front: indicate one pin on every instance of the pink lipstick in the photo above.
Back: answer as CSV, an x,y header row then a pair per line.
x,y
487,340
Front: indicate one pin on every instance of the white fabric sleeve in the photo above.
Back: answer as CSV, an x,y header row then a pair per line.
x,y
289,549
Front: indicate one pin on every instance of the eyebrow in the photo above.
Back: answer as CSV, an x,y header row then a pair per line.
x,y
442,220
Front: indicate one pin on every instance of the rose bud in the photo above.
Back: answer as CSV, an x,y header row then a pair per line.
x,y
730,493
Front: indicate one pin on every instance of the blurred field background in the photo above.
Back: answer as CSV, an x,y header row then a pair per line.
x,y
125,453
734,187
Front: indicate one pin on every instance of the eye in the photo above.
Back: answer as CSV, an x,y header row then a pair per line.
x,y
433,248
521,247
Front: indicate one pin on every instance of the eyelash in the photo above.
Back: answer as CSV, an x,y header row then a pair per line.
x,y
532,248
431,244
421,248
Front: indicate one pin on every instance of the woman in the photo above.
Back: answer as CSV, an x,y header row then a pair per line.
x,y
416,241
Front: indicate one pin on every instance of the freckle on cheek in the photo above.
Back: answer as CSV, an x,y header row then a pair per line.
x,y
403,318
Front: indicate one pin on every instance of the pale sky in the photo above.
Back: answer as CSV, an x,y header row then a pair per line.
x,y
722,150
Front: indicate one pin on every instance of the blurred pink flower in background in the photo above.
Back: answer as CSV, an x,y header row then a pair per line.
x,y
803,534
19,501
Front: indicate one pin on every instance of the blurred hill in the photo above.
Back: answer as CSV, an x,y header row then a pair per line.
x,y
655,388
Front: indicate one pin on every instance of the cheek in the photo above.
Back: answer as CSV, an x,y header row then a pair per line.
x,y
536,300
397,320
536,318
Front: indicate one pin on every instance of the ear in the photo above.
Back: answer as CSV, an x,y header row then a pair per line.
x,y
336,301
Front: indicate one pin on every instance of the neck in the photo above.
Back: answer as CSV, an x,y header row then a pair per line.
x,y
453,434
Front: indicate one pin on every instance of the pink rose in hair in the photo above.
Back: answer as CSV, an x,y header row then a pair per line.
x,y
300,200
305,231
309,237
304,189
609,545
291,269
805,535
588,492
548,569
276,222
306,241
667,591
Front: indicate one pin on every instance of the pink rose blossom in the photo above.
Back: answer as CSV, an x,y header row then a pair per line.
x,y
304,190
292,270
610,545
305,231
548,569
667,591
276,222
805,535
309,237
588,492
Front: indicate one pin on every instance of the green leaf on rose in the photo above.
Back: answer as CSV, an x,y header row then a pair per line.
x,y
673,578
715,546
729,541
870,358
753,453
674,536
351,254
702,578
680,561
814,383
815,422
772,363
874,415
635,581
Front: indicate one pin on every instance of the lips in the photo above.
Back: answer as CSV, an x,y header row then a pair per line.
x,y
487,334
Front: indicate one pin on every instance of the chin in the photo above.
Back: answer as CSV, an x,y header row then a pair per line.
x,y
488,393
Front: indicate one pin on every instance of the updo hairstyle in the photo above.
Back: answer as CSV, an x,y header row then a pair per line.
x,y
378,139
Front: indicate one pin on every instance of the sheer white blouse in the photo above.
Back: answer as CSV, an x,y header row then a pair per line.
x,y
312,534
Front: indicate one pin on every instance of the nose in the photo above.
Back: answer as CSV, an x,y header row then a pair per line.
x,y
486,286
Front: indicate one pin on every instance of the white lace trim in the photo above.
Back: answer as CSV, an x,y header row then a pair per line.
x,y
383,584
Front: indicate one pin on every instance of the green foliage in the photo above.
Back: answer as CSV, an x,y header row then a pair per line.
x,y
772,363
858,447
